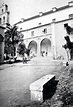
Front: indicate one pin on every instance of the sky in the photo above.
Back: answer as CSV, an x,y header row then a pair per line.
x,y
27,8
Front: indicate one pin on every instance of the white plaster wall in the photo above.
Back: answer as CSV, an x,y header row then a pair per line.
x,y
59,33
37,31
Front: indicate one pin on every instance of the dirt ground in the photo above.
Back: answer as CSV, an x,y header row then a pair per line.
x,y
16,78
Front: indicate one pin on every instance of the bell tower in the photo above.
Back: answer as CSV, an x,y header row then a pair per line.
x,y
4,14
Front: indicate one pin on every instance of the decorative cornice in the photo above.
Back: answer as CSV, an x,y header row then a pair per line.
x,y
53,10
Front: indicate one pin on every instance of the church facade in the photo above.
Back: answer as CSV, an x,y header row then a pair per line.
x,y
44,33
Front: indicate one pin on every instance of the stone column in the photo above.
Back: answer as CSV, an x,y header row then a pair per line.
x,y
53,40
16,50
38,47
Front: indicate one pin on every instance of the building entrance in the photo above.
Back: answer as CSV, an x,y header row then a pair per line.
x,y
33,48
45,47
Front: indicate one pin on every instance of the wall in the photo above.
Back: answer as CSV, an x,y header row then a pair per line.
x,y
1,44
37,31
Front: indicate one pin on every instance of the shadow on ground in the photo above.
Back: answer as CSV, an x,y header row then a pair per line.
x,y
49,89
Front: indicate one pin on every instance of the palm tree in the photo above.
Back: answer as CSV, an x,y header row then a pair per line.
x,y
12,37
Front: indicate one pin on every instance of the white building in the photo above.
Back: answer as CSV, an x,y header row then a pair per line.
x,y
44,33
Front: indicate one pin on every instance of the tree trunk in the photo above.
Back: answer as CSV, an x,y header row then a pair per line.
x,y
23,59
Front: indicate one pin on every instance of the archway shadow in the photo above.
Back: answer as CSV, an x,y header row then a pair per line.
x,y
49,89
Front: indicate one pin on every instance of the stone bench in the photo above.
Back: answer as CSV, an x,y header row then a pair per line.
x,y
39,87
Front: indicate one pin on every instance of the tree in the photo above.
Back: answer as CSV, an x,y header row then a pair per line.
x,y
69,48
12,37
69,45
68,28
22,50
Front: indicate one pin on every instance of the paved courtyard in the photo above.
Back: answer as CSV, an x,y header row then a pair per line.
x,y
16,78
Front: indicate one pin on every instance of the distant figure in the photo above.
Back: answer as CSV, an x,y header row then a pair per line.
x,y
46,53
42,53
24,60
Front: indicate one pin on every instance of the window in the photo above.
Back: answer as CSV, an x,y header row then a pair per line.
x,y
0,20
3,19
40,23
2,10
32,33
53,20
71,16
6,7
65,25
45,30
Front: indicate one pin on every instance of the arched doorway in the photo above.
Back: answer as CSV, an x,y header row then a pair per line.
x,y
45,47
33,46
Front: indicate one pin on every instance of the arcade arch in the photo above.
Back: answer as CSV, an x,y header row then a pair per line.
x,y
33,46
45,47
